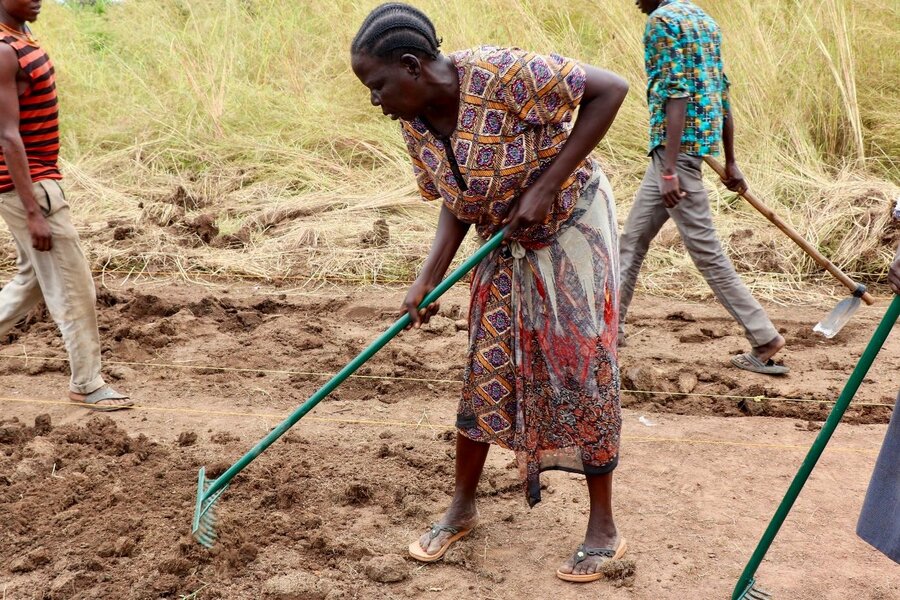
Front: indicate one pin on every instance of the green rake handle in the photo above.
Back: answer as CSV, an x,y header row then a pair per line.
x,y
859,372
220,482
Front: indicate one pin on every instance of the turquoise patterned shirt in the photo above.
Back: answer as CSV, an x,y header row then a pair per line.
x,y
683,60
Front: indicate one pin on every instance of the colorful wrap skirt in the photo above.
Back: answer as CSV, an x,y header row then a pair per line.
x,y
542,375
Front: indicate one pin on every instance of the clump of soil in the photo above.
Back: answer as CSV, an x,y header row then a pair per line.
x,y
107,299
217,468
681,315
298,584
123,232
379,237
162,214
13,431
102,434
751,255
241,556
186,200
148,305
224,437
358,494
187,438
620,572
42,424
387,569
204,227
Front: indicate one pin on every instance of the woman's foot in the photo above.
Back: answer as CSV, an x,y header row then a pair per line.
x,y
590,563
459,517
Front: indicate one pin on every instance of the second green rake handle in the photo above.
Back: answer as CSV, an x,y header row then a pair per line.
x,y
460,272
812,457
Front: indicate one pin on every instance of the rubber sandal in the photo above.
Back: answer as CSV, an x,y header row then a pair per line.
x,y
748,362
91,400
581,555
415,549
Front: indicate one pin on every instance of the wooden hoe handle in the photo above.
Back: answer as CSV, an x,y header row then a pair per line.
x,y
792,233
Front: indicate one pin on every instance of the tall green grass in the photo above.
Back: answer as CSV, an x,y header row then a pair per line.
x,y
250,106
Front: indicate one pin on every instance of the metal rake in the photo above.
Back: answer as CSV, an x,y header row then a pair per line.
x,y
746,586
210,490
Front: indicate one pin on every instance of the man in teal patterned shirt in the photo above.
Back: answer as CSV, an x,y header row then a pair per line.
x,y
690,117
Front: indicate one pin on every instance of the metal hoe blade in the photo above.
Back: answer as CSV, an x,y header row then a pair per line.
x,y
841,315
837,318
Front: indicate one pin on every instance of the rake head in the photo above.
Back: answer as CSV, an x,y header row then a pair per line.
x,y
203,527
753,593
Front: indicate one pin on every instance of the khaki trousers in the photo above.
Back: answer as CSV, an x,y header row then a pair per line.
x,y
61,277
693,218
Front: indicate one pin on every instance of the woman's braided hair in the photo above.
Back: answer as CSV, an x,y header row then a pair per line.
x,y
394,29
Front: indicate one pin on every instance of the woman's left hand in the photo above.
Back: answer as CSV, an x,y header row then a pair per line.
x,y
532,208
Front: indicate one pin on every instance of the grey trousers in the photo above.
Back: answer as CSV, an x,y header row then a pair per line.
x,y
694,221
60,276
879,521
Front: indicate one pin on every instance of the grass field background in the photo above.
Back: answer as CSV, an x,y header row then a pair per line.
x,y
246,111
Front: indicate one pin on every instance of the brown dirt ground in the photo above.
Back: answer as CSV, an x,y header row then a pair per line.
x,y
100,506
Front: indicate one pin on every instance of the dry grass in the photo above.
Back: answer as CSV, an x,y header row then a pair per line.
x,y
247,110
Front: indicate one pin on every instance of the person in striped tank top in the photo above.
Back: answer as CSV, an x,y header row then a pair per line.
x,y
51,265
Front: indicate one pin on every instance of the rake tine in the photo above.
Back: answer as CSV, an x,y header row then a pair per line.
x,y
205,518
757,594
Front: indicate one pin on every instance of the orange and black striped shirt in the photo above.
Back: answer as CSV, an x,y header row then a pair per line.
x,y
38,114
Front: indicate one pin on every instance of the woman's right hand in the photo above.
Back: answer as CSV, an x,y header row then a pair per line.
x,y
414,298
